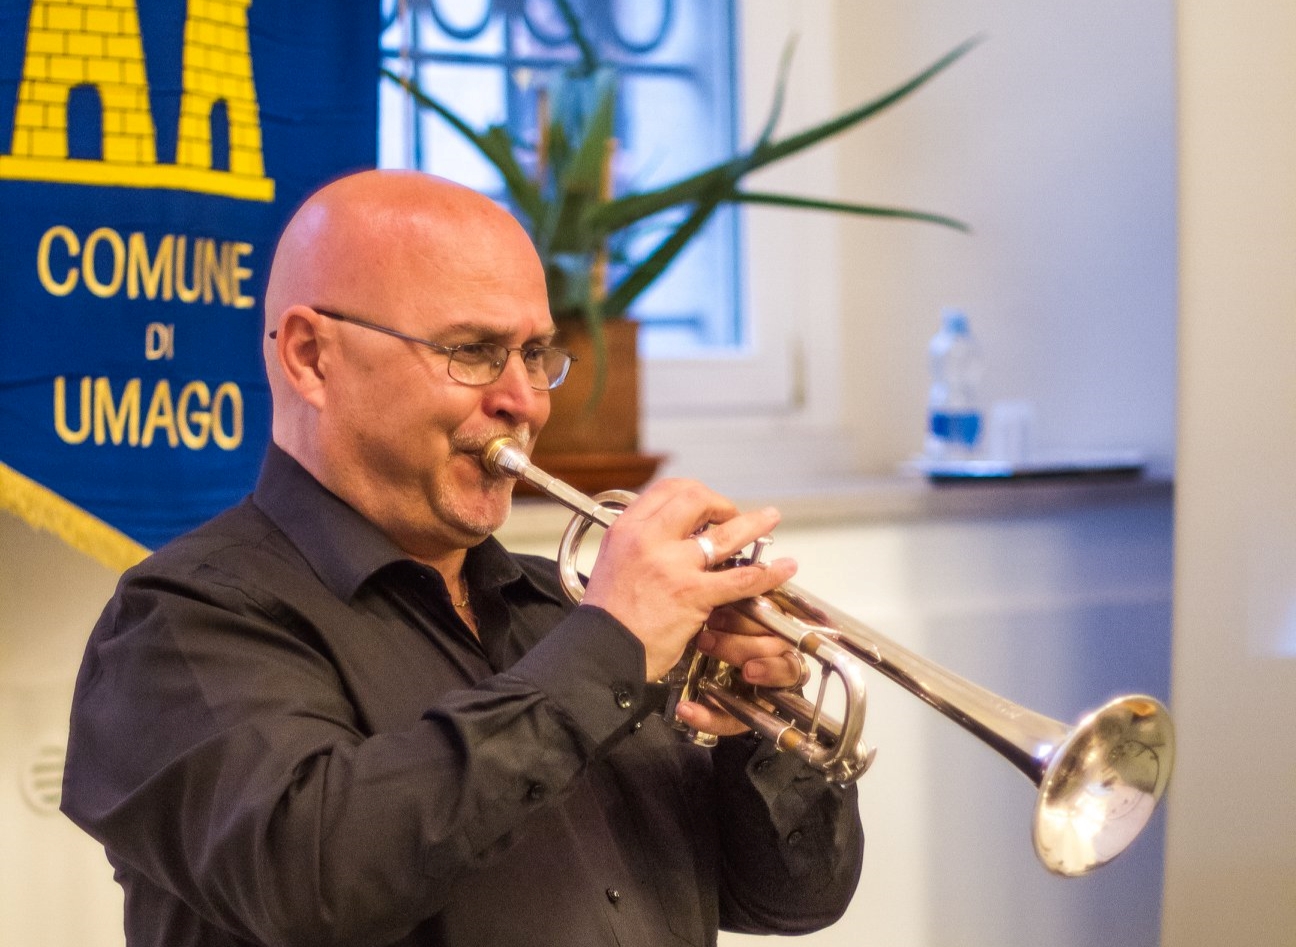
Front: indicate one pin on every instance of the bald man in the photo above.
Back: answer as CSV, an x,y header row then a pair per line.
x,y
341,713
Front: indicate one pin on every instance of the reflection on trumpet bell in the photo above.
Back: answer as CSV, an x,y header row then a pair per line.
x,y
1102,785
1099,781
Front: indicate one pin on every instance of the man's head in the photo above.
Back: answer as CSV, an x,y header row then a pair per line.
x,y
378,419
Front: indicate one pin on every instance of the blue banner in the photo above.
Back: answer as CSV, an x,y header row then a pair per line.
x,y
150,152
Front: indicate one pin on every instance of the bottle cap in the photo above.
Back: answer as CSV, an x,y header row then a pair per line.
x,y
955,320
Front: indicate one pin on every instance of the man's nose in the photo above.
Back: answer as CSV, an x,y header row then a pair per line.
x,y
513,393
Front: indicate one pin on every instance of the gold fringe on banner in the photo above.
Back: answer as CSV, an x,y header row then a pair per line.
x,y
45,509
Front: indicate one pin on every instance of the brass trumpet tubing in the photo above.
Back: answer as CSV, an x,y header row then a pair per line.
x,y
609,504
849,762
786,736
844,763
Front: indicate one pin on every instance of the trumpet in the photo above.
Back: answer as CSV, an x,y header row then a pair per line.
x,y
1098,781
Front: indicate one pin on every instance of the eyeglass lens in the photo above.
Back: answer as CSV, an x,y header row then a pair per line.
x,y
480,363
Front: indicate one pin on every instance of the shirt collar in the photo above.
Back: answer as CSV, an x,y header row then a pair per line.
x,y
342,547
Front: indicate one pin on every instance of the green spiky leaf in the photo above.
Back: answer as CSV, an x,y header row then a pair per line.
x,y
572,220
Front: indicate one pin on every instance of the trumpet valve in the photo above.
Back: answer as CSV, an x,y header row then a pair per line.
x,y
758,551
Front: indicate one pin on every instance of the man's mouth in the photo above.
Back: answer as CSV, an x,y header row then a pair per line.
x,y
476,445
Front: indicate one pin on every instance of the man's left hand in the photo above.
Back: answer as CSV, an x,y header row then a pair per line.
x,y
765,658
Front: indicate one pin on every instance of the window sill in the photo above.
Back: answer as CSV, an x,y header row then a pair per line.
x,y
897,499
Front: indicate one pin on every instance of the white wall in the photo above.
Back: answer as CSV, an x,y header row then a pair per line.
x,y
1054,139
1231,856
56,889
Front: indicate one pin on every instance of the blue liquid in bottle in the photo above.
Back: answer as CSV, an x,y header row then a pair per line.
x,y
954,404
958,428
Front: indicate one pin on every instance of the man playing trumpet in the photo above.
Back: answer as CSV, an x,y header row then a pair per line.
x,y
342,713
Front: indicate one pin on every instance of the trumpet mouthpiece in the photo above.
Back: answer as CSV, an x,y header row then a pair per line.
x,y
503,457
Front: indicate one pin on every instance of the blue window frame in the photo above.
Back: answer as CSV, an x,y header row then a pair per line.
x,y
675,115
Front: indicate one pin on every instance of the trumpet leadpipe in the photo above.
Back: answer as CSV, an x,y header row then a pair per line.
x,y
503,457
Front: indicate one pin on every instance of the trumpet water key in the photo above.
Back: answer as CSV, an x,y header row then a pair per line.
x,y
1098,781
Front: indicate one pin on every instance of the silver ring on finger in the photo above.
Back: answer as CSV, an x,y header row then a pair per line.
x,y
708,550
803,678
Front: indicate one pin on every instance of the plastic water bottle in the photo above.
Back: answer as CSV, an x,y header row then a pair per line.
x,y
954,403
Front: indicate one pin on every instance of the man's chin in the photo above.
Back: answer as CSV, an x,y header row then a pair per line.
x,y
482,514
473,501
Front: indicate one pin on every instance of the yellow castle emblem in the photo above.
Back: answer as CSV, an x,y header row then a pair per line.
x,y
90,52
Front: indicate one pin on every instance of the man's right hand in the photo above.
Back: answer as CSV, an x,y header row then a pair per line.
x,y
652,575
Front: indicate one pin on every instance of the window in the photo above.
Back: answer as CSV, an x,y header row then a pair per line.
x,y
85,123
484,58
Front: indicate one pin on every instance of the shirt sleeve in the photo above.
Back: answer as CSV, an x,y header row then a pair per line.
x,y
214,750
791,844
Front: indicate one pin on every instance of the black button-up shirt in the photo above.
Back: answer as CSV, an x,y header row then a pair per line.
x,y
283,734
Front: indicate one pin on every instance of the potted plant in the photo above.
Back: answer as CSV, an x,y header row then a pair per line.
x,y
560,188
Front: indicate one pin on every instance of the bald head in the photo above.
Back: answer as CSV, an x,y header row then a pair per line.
x,y
363,237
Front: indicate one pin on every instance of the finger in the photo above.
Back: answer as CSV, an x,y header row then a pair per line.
x,y
680,508
738,532
738,649
733,622
765,659
724,586
708,719
786,670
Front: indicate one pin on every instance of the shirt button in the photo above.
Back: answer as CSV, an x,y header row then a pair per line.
x,y
622,697
794,837
536,792
613,895
762,765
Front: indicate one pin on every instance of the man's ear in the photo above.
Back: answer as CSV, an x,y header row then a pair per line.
x,y
298,348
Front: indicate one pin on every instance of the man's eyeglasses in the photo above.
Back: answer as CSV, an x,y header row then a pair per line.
x,y
480,363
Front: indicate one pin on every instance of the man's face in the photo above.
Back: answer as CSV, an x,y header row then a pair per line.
x,y
402,437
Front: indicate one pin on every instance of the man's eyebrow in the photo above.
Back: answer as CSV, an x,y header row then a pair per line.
x,y
483,332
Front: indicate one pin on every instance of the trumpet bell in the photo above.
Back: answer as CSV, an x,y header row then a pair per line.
x,y
1102,785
